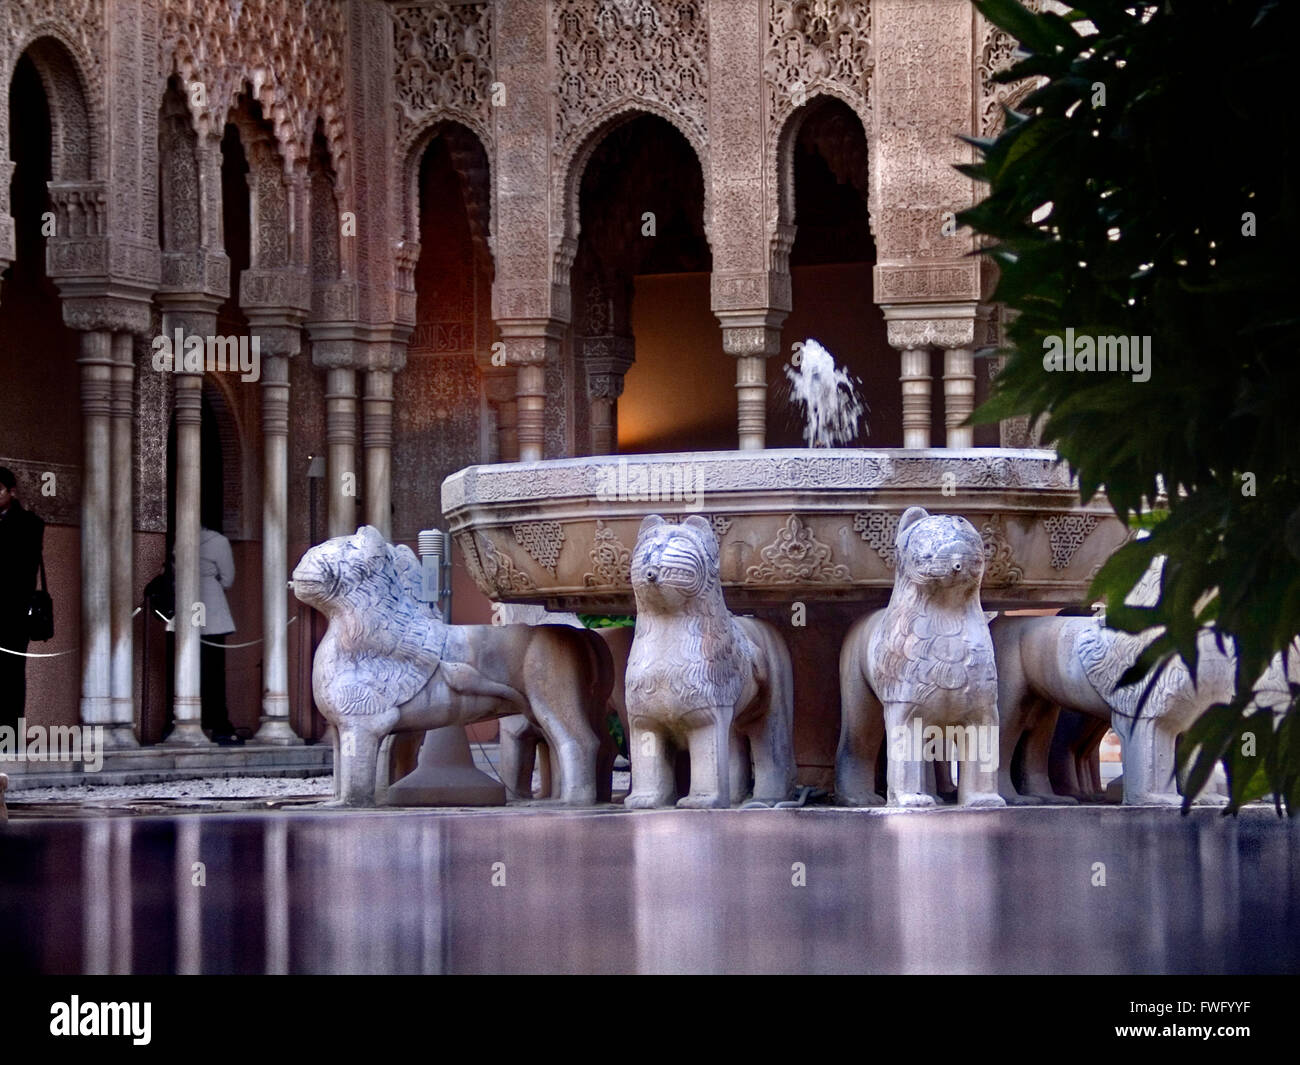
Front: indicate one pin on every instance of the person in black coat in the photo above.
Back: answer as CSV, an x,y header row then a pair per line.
x,y
22,536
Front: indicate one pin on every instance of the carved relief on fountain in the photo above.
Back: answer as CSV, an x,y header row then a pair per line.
x,y
822,521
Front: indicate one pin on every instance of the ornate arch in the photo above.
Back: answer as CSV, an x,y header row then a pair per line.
x,y
566,223
268,192
294,68
76,124
814,50
469,150
781,151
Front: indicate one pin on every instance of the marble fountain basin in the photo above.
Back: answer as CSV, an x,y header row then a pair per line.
x,y
816,525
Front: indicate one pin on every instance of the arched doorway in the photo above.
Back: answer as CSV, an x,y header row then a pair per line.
x,y
825,174
650,374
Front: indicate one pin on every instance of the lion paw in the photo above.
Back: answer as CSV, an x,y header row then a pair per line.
x,y
644,801
985,800
1015,799
702,802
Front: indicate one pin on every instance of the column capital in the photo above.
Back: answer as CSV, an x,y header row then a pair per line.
x,y
352,345
607,354
96,305
199,271
752,335
195,312
499,384
531,342
943,325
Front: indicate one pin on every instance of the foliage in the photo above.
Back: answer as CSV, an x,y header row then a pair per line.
x,y
1146,188
615,727
606,621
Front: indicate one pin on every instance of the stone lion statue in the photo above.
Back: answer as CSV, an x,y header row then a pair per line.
x,y
701,679
389,663
921,670
1049,663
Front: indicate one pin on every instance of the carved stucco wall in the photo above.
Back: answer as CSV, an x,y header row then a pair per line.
x,y
924,98
292,57
443,71
812,49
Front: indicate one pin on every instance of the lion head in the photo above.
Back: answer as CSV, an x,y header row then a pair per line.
x,y
335,575
675,567
369,589
939,552
676,580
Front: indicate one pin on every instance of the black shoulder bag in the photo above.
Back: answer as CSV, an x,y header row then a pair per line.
x,y
40,615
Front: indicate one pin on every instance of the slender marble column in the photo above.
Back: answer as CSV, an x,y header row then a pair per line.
x,y
915,379
121,680
751,402
187,706
530,402
275,548
607,360
96,528
508,430
958,396
377,439
752,344
341,440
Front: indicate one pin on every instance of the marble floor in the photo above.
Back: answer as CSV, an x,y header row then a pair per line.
x,y
284,885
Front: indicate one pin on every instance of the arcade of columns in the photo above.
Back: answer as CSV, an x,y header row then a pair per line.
x,y
334,118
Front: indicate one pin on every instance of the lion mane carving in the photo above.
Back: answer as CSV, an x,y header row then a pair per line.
x,y
389,663
701,679
925,661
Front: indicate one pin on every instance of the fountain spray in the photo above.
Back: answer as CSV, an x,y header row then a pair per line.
x,y
832,408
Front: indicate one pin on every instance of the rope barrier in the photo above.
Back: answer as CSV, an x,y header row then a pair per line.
x,y
224,646
237,646
164,618
36,654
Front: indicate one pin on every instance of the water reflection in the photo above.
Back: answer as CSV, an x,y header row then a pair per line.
x,y
1026,890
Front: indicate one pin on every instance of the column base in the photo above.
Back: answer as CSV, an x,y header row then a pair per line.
x,y
119,738
187,734
276,731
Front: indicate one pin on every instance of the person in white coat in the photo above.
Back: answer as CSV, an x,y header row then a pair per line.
x,y
216,574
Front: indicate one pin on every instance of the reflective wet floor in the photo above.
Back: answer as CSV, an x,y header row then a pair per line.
x,y
1038,890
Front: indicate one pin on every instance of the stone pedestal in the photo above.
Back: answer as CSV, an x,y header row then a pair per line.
x,y
445,775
